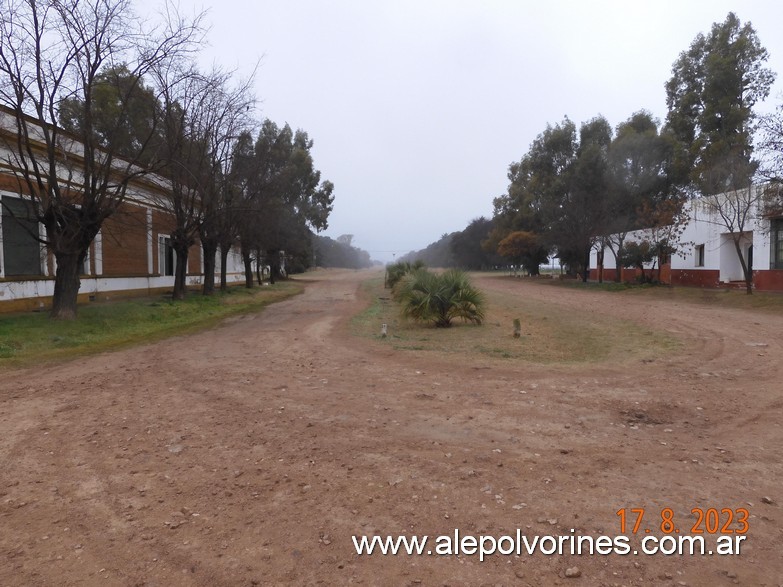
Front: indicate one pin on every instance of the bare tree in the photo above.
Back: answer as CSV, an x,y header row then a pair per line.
x,y
52,52
737,211
231,107
202,115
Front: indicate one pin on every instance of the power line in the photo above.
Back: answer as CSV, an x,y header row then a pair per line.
x,y
390,252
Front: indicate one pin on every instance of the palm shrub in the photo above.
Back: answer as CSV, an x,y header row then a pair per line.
x,y
395,272
439,299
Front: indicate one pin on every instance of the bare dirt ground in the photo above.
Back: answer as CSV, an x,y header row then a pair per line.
x,y
250,454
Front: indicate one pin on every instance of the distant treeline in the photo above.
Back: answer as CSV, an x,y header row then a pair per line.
x,y
339,253
465,249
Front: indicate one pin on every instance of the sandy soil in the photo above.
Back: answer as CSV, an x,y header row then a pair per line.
x,y
250,454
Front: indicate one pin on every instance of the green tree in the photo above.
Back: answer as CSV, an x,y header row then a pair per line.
x,y
711,95
574,180
466,248
714,87
241,205
520,208
284,198
638,254
124,115
583,213
339,253
437,254
639,168
558,191
535,181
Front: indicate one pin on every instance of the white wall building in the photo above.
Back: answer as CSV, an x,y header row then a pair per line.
x,y
707,255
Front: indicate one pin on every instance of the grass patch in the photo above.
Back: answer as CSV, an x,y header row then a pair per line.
x,y
718,298
551,334
31,338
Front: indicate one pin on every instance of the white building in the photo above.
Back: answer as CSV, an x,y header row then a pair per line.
x,y
707,255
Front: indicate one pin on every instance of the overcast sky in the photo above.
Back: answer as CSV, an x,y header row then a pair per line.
x,y
418,107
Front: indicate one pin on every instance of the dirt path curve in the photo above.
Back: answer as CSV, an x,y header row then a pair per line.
x,y
250,454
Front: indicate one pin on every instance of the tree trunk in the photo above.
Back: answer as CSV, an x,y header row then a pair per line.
x,y
209,246
617,257
223,261
586,266
747,272
180,272
533,268
640,267
66,285
600,265
248,269
274,259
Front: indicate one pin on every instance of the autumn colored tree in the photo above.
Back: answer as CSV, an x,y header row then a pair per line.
x,y
523,248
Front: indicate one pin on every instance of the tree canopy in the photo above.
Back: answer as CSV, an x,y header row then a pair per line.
x,y
283,197
714,87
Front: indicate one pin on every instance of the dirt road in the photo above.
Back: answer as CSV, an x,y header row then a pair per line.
x,y
250,454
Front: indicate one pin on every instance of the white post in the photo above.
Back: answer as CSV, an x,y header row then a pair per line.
x,y
45,253
99,253
149,242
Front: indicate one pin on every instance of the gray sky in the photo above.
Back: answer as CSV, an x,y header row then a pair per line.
x,y
418,107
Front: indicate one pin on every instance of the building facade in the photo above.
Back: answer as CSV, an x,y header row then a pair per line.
x,y
707,255
131,255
